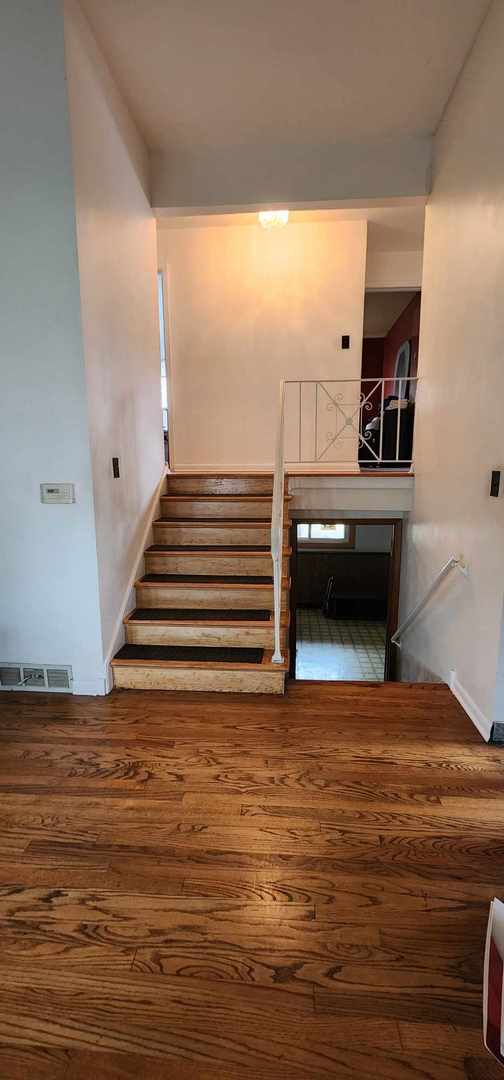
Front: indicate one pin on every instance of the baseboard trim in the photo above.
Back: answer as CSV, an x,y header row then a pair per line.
x,y
128,602
480,721
221,470
331,469
96,687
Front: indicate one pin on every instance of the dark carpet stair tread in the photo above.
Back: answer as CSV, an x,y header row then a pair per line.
x,y
190,549
198,615
190,653
205,579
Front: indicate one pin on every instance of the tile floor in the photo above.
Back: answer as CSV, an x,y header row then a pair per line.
x,y
338,648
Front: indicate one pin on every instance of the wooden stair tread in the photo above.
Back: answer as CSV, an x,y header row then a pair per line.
x,y
204,579
222,497
196,615
209,549
188,474
243,523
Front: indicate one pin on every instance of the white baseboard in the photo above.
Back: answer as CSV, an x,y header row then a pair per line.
x,y
128,601
96,687
292,469
220,469
480,721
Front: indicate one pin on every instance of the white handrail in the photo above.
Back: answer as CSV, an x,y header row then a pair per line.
x,y
452,561
277,509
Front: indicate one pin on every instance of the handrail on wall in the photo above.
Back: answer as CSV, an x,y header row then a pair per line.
x,y
277,509
452,561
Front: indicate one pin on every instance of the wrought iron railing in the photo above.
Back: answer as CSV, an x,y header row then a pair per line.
x,y
350,422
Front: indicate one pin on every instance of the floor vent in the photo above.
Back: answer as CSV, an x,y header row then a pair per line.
x,y
35,677
58,678
10,676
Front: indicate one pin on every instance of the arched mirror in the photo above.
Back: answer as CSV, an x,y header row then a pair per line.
x,y
402,370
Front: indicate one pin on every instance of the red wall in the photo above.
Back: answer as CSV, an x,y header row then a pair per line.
x,y
407,328
372,368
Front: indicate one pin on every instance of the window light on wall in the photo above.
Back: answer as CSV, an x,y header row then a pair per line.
x,y
273,219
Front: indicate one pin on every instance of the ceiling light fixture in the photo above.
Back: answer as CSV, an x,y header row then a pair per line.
x,y
273,219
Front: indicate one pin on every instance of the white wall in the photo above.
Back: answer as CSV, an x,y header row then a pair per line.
x,y
458,437
247,307
49,611
394,270
117,263
251,176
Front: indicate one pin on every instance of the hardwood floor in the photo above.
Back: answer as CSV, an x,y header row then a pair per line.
x,y
203,887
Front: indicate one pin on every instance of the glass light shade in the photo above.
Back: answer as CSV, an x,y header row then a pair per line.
x,y
273,219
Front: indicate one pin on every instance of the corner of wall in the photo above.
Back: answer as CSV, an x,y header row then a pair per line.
x,y
480,721
91,686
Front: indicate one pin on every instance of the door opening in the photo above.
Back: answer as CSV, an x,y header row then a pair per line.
x,y
164,370
344,599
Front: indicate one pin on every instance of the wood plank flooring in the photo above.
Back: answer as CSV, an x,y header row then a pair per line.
x,y
198,887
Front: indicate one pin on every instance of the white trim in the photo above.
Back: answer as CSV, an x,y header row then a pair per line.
x,y
96,687
480,721
336,471
169,346
129,597
375,481
221,470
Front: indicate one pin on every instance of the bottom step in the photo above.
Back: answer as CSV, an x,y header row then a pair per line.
x,y
155,667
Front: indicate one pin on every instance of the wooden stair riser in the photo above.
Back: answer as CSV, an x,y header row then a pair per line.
x,y
233,597
219,485
180,633
245,681
214,535
201,507
239,563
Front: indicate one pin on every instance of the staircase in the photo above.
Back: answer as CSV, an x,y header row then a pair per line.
x,y
204,615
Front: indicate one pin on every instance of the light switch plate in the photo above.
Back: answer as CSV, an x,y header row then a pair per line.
x,y
57,493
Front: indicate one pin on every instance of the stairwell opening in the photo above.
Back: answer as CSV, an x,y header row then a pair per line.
x,y
344,598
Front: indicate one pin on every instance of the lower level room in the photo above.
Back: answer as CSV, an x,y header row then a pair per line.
x,y
342,586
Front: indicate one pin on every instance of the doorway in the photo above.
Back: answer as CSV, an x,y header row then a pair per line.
x,y
344,599
163,361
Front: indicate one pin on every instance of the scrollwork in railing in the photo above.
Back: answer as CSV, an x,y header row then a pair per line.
x,y
371,417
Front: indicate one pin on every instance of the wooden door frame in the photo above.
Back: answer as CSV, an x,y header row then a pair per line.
x,y
394,582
